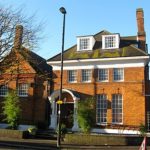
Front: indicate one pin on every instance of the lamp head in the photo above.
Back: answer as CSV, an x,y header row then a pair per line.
x,y
63,10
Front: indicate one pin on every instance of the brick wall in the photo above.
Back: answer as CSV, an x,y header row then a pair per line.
x,y
34,106
131,88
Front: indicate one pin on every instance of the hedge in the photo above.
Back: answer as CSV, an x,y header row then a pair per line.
x,y
13,133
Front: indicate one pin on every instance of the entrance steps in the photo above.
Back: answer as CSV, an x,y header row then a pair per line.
x,y
46,134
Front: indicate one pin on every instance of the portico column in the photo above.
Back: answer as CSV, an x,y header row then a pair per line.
x,y
53,116
75,120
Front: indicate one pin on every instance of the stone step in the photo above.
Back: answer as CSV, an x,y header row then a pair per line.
x,y
46,134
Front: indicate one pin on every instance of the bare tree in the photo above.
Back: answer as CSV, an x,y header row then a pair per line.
x,y
9,18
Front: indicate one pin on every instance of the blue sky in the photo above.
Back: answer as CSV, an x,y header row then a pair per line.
x,y
84,17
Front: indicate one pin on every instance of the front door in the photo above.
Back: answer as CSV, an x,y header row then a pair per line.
x,y
67,110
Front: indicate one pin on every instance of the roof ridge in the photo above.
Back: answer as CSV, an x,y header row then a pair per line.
x,y
102,31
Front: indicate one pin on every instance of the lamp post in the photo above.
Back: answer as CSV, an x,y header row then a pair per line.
x,y
63,11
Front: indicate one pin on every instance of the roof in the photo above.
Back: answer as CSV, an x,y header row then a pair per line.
x,y
127,48
38,63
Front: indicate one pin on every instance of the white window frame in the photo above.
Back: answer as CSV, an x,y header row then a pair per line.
x,y
110,41
116,75
103,75
23,89
101,109
3,90
86,75
72,76
117,109
85,43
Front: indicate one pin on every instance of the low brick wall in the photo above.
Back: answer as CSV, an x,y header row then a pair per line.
x,y
13,133
89,139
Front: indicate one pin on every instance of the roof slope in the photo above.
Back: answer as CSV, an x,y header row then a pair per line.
x,y
37,62
26,61
127,49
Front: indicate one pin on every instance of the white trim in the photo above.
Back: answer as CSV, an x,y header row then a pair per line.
x,y
107,75
75,81
87,81
115,131
91,42
122,75
98,108
118,123
117,41
55,94
101,63
100,59
99,66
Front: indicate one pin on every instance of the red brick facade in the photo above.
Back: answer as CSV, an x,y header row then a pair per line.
x,y
35,105
22,66
132,89
126,99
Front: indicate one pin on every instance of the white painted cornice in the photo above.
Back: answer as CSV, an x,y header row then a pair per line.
x,y
100,59
121,62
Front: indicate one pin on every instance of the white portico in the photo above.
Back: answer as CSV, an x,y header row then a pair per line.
x,y
53,116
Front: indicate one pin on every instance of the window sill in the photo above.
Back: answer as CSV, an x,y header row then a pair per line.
x,y
86,81
101,124
118,80
23,95
115,123
102,81
72,82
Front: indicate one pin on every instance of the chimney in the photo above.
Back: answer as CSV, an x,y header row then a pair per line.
x,y
141,35
18,37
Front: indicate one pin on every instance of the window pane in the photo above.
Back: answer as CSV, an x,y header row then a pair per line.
x,y
103,74
3,90
101,109
84,44
86,75
118,74
117,108
23,89
72,76
110,42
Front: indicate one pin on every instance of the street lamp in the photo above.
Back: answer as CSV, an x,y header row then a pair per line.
x,y
63,11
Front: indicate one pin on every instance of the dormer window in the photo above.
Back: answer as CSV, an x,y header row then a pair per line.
x,y
85,43
110,41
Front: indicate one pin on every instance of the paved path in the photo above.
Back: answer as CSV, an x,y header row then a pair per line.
x,y
35,144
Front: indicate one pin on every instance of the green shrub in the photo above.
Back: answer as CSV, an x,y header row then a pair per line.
x,y
11,109
142,129
86,113
63,129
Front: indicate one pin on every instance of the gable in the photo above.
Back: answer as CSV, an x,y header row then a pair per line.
x,y
15,63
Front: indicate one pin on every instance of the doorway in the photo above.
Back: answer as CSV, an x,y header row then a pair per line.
x,y
67,111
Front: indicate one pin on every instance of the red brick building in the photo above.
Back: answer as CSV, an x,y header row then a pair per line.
x,y
112,69
29,74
